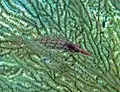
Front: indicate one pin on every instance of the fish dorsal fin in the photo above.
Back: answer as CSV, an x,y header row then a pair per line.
x,y
54,37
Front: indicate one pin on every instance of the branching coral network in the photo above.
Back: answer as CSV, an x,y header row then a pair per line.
x,y
40,41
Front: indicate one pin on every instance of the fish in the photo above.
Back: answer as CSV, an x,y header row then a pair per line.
x,y
62,44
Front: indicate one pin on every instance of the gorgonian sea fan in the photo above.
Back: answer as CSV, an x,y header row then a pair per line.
x,y
62,44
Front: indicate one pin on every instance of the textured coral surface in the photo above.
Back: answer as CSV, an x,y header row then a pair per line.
x,y
28,65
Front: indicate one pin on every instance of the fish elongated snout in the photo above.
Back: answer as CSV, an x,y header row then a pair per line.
x,y
85,52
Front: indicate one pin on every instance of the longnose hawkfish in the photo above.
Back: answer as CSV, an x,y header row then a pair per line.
x,y
62,44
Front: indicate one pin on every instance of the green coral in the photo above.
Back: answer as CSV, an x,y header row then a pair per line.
x,y
22,64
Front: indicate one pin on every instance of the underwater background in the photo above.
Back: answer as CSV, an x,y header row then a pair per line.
x,y
43,45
